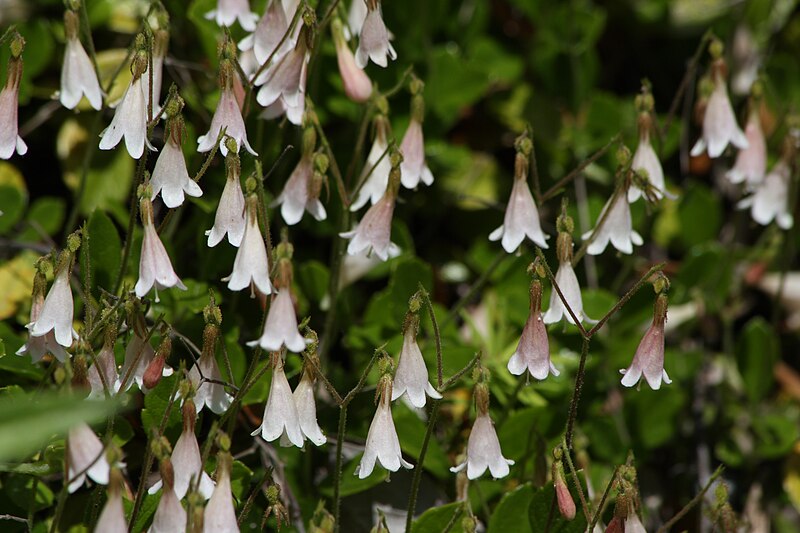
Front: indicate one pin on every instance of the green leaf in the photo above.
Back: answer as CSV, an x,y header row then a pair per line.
x,y
108,186
700,214
350,482
104,249
12,204
313,277
757,354
436,519
28,420
510,512
411,431
156,403
46,215
539,511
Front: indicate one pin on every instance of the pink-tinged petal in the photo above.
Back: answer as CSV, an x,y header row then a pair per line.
x,y
227,116
57,311
413,167
9,137
229,218
112,517
85,455
170,516
374,40
374,230
378,166
220,514
357,85
521,220
251,265
280,412
483,450
751,163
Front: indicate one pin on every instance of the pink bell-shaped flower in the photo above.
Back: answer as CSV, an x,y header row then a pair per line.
x,y
770,201
533,350
483,446
112,517
357,85
267,35
9,103
649,357
615,227
39,346
230,215
155,267
522,218
287,81
280,413
85,457
229,11
414,168
130,116
751,163
375,177
373,40
719,122
186,460
103,375
220,514
78,76
411,377
57,311
383,445
373,233
645,160
251,266
303,396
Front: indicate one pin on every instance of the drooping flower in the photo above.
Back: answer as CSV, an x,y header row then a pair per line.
x,y
306,406
522,218
302,189
39,346
566,279
266,38
373,233
533,350
645,159
85,457
719,121
649,357
130,116
230,215
411,377
383,445
251,266
9,103
566,505
227,116
751,162
483,446
280,328
155,267
229,11
209,394
287,80
615,227
103,375
373,40
220,514
170,516
139,356
112,517
78,76
280,413
632,522
186,460
57,311
414,167
770,201
357,85
170,175
375,177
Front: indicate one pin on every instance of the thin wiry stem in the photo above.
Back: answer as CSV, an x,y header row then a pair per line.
x,y
697,499
601,504
555,189
412,497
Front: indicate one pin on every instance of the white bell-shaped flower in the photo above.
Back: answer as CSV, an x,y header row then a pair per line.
x,y
411,377
187,463
646,160
130,121
227,116
307,409
297,198
287,80
57,311
112,517
251,266
139,354
615,227
78,76
170,176
649,358
483,451
219,515
280,328
521,220
373,40
230,216
155,267
374,232
719,122
86,457
751,163
414,168
229,11
383,445
770,201
280,413
39,346
105,365
207,394
10,140
375,177
268,33
170,516
568,283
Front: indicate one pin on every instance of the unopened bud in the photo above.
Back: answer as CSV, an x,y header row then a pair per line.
x,y
716,48
250,185
17,45
223,441
623,156
74,241
154,371
273,493
321,163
